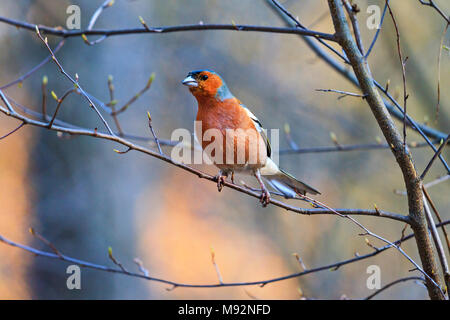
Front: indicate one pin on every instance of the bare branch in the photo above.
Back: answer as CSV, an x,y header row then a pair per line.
x,y
402,62
352,10
437,243
402,155
344,93
441,46
438,216
436,154
168,29
132,146
136,96
115,261
216,267
75,82
60,101
433,5
35,68
377,33
153,132
13,131
347,147
395,109
174,285
392,284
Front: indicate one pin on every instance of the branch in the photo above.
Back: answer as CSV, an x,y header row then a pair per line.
x,y
75,82
60,101
401,153
433,5
200,174
377,33
347,147
402,63
438,216
144,274
392,284
436,154
13,131
352,10
167,29
343,93
421,128
35,68
437,243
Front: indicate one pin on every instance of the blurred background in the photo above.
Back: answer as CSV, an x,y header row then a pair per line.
x,y
84,198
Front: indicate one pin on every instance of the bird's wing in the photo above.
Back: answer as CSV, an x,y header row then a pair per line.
x,y
260,128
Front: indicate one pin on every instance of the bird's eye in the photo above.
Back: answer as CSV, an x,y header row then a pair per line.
x,y
204,77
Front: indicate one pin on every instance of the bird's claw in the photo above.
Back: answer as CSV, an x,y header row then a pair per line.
x,y
265,198
220,181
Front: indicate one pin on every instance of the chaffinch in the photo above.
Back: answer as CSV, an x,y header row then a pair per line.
x,y
244,147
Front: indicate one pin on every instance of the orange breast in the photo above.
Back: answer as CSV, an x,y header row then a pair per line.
x,y
229,136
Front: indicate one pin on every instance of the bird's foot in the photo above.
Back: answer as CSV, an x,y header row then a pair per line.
x,y
265,197
220,178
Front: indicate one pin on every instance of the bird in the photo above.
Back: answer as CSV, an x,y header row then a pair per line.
x,y
243,137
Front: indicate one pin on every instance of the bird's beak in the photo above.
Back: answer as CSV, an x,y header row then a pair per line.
x,y
190,82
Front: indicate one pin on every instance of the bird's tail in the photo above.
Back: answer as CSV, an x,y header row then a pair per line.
x,y
288,185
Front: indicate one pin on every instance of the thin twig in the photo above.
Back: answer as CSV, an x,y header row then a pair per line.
x,y
374,235
436,154
35,68
13,131
7,104
438,216
413,124
75,82
60,101
136,96
437,243
216,267
105,136
377,33
115,261
300,26
48,243
441,46
352,10
90,265
402,155
169,29
300,261
153,132
392,284
344,93
97,13
394,109
112,105
402,62
433,5
347,147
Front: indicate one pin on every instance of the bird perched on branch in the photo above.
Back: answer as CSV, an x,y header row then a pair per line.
x,y
237,136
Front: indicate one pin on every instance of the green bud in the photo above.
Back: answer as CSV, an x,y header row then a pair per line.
x,y
54,95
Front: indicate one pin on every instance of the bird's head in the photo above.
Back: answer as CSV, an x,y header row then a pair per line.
x,y
207,84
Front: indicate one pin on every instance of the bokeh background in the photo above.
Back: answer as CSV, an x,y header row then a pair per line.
x,y
84,197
